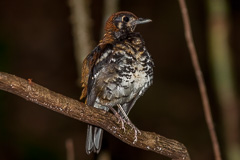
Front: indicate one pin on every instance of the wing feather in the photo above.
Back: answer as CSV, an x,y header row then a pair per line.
x,y
92,64
87,67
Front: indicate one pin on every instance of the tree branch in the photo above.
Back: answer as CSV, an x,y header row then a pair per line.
x,y
77,110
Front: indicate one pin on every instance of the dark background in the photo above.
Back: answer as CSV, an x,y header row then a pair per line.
x,y
36,42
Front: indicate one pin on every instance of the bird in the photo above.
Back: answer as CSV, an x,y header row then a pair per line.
x,y
116,72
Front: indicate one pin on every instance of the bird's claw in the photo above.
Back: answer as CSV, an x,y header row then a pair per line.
x,y
122,121
136,131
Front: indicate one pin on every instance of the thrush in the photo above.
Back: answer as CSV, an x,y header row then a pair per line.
x,y
116,73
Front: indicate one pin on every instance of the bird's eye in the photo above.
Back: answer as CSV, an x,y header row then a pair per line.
x,y
125,19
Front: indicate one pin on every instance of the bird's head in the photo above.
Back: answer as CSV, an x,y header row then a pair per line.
x,y
123,22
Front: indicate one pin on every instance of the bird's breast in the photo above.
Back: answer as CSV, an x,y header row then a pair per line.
x,y
131,73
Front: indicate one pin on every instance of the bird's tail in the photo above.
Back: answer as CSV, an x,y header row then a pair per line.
x,y
94,134
94,139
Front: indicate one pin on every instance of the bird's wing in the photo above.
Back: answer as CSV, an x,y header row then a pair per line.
x,y
92,64
87,66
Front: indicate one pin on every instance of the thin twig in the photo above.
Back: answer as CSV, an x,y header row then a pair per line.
x,y
73,108
200,79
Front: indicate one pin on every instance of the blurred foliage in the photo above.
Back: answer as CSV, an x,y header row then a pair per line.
x,y
223,76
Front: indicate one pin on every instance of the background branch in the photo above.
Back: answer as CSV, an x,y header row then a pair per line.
x,y
77,110
70,149
81,26
109,7
200,79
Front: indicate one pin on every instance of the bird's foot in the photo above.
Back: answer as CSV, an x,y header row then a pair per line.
x,y
136,131
120,119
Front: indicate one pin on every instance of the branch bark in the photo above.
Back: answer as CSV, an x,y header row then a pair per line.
x,y
77,110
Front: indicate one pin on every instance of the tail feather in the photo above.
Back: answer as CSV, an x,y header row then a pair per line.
x,y
89,139
98,134
94,139
94,134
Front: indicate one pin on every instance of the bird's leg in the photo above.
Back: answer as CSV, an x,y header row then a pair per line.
x,y
136,130
120,119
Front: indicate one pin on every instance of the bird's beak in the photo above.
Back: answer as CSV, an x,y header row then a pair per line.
x,y
140,21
